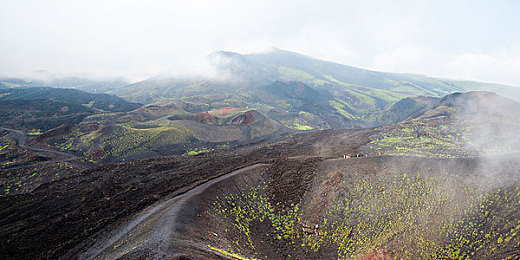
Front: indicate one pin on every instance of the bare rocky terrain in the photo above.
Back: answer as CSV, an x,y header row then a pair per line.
x,y
192,175
166,208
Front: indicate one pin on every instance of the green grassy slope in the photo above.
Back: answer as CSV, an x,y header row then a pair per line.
x,y
282,83
160,130
458,125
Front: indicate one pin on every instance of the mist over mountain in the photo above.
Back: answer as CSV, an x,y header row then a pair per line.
x,y
80,83
163,129
277,64
355,95
271,155
292,90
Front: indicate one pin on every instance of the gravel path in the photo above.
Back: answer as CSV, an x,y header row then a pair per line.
x,y
22,138
155,225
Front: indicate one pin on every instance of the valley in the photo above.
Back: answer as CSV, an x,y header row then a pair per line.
x,y
280,156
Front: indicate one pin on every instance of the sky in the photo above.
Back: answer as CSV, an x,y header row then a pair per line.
x,y
473,39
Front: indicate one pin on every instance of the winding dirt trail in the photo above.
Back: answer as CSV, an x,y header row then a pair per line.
x,y
156,226
21,139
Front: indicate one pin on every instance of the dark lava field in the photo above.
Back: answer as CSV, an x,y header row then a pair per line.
x,y
289,158
299,198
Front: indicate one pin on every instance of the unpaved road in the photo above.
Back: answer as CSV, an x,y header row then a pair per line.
x,y
57,156
154,227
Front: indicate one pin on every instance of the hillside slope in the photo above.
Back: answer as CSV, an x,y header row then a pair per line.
x,y
250,71
153,131
401,198
44,108
336,95
83,84
461,124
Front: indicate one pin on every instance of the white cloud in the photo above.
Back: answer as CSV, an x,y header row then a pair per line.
x,y
137,39
501,66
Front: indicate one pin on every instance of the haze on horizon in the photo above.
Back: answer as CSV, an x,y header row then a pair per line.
x,y
474,40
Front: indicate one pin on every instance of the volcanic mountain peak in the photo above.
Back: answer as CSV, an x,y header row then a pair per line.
x,y
481,103
297,191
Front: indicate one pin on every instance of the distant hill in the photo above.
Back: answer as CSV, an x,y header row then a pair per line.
x,y
254,97
295,90
40,114
84,84
98,101
472,105
335,95
460,124
161,130
407,108
248,179
45,108
248,71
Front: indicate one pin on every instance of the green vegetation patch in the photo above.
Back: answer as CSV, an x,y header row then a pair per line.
x,y
10,154
297,124
228,254
198,151
428,138
120,141
305,115
417,138
414,217
10,84
340,109
417,218
17,181
241,210
35,132
2,147
295,74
